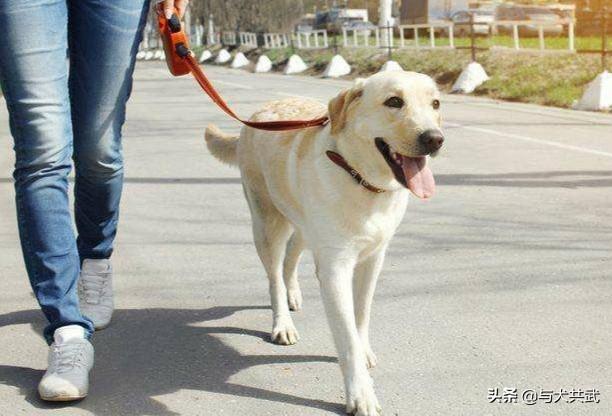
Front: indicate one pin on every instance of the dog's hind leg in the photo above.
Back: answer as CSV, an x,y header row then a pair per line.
x,y
271,231
295,247
366,276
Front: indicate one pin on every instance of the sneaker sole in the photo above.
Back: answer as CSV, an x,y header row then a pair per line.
x,y
63,398
101,327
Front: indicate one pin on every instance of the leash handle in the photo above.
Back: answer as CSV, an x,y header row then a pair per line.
x,y
174,39
181,61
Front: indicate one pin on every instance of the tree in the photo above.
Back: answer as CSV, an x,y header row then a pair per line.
x,y
249,15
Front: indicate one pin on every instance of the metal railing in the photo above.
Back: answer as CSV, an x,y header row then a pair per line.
x,y
228,38
311,39
248,39
539,26
319,39
447,26
352,38
276,40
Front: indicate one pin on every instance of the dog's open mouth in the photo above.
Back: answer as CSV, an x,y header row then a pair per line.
x,y
412,172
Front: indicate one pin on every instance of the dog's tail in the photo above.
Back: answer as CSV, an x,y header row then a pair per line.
x,y
222,146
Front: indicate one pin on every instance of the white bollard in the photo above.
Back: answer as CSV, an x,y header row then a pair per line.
x,y
157,54
148,56
205,56
264,64
472,76
598,94
223,57
391,66
337,67
140,55
240,61
295,65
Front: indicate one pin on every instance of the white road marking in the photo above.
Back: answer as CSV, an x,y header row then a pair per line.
x,y
531,139
528,109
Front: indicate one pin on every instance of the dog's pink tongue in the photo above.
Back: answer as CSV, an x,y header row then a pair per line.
x,y
419,177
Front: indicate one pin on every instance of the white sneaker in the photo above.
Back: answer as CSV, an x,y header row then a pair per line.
x,y
71,357
96,292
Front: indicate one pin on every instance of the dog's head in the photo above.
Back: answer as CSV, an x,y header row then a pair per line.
x,y
386,125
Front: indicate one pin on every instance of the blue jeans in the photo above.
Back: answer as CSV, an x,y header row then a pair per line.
x,y
63,110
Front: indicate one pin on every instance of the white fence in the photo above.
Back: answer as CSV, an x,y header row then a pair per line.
x,y
213,38
314,39
356,38
433,27
541,27
248,39
275,40
409,35
228,38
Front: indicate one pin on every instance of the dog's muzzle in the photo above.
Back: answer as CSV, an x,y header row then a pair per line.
x,y
430,141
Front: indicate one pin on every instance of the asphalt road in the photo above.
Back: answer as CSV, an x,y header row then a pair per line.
x,y
503,280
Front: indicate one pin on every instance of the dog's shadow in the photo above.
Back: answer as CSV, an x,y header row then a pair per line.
x,y
152,352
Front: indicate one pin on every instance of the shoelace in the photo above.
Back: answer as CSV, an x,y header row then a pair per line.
x,y
67,357
92,286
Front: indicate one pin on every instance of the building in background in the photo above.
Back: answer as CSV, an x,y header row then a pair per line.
x,y
425,11
588,16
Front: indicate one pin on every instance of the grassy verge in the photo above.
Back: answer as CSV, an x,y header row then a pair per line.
x,y
554,79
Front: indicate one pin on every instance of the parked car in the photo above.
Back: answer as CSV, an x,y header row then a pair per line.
x,y
358,25
303,27
461,22
335,19
553,25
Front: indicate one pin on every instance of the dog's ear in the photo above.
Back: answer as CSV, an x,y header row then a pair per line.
x,y
339,105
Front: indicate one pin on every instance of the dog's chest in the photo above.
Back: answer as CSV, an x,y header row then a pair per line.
x,y
374,227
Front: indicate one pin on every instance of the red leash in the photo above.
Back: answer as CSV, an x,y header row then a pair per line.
x,y
181,61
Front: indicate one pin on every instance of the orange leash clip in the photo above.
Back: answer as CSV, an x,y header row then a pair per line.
x,y
180,61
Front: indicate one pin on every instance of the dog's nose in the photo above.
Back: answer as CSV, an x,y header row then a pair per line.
x,y
431,140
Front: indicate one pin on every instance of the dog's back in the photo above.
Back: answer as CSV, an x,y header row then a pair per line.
x,y
225,147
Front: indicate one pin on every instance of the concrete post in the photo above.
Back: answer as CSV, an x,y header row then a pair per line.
x,y
541,37
211,30
432,37
515,36
384,20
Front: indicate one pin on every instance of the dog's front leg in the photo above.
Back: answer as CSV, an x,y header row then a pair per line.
x,y
366,276
335,273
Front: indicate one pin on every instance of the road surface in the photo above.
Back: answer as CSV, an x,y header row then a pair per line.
x,y
503,280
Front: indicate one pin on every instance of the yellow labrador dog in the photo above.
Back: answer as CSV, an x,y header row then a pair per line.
x,y
341,191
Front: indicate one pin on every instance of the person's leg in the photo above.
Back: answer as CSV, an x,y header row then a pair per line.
x,y
34,78
103,38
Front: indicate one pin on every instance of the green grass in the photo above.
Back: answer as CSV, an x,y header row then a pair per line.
x,y
549,79
555,78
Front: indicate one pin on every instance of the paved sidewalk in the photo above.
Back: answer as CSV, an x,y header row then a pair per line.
x,y
502,280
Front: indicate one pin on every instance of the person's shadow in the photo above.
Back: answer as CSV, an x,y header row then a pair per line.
x,y
152,352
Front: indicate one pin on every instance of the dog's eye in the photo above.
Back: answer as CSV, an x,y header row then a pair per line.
x,y
394,102
435,104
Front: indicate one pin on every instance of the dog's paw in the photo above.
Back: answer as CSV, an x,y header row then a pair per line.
x,y
362,401
294,298
371,359
284,332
